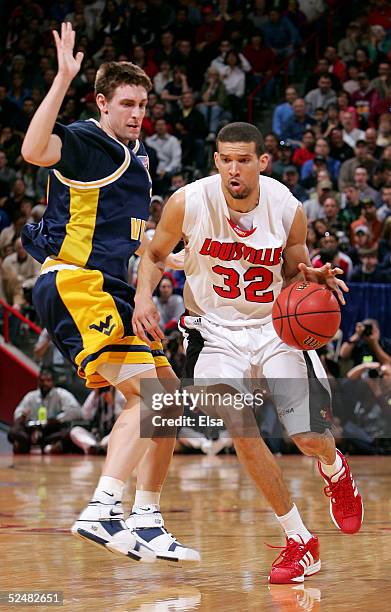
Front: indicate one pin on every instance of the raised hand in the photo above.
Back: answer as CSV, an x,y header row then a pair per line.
x,y
68,66
326,275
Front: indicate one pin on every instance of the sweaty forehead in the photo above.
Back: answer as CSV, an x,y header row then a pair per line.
x,y
236,148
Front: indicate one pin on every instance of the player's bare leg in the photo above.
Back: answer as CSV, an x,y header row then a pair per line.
x,y
346,505
145,519
291,565
143,532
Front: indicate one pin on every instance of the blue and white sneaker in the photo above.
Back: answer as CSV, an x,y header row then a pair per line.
x,y
147,524
102,524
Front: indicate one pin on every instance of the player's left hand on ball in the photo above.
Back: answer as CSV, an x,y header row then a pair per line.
x,y
145,321
326,275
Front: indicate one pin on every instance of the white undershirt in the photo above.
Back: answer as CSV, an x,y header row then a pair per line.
x,y
244,220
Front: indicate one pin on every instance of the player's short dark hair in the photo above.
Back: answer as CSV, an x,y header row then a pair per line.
x,y
240,131
111,75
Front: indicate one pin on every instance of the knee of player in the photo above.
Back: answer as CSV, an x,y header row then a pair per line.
x,y
309,443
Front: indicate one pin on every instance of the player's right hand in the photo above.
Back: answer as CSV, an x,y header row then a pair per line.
x,y
68,66
145,321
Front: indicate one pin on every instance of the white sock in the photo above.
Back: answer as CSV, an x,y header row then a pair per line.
x,y
144,499
109,490
335,470
294,526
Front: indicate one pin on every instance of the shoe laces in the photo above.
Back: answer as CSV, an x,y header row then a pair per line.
x,y
292,552
342,492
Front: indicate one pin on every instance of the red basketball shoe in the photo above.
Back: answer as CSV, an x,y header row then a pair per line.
x,y
295,561
346,507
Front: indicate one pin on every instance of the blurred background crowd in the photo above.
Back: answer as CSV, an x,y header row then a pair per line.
x,y
314,75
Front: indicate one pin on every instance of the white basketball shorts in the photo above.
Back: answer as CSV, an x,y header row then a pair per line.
x,y
295,379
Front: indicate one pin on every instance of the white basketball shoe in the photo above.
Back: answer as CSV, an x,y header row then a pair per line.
x,y
102,523
147,525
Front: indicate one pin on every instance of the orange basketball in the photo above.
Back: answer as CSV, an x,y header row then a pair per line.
x,y
306,315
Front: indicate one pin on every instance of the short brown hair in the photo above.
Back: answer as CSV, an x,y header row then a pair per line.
x,y
112,74
242,132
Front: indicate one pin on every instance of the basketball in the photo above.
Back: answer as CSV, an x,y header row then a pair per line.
x,y
306,315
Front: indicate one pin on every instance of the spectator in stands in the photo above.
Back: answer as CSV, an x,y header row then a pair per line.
x,y
20,272
322,96
362,60
361,159
366,192
382,83
173,91
9,234
351,84
169,153
384,211
370,138
361,240
330,253
298,123
209,33
368,217
100,410
314,205
43,418
322,69
339,150
284,111
369,270
365,98
163,77
219,62
280,34
367,342
234,79
350,203
290,178
285,160
337,66
306,151
272,146
348,45
7,175
262,60
169,305
309,168
332,214
364,409
350,133
191,130
214,101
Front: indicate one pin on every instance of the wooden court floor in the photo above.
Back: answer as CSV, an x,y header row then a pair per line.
x,y
209,504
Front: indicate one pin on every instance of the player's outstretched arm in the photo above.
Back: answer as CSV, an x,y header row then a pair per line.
x,y
297,263
40,146
168,234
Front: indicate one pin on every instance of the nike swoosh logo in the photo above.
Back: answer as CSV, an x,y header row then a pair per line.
x,y
115,513
109,494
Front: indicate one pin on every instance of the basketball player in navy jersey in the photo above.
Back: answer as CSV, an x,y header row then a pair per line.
x,y
98,204
245,236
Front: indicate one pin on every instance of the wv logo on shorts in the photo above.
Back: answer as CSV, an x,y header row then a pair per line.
x,y
104,327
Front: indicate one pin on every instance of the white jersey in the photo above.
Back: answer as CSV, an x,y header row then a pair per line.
x,y
234,275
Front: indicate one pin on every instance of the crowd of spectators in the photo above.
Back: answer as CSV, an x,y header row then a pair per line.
x,y
328,139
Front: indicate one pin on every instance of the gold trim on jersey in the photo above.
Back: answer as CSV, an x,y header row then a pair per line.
x,y
99,183
77,244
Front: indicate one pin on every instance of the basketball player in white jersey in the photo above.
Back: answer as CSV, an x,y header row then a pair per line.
x,y
245,237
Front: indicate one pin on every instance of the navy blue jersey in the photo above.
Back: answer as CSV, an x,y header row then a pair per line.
x,y
98,202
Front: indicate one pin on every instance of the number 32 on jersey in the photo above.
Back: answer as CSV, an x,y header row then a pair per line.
x,y
259,280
